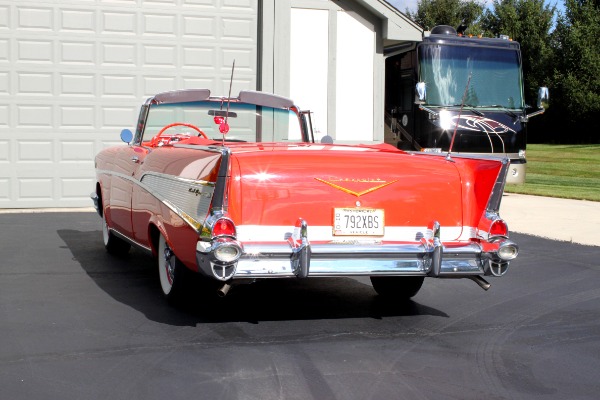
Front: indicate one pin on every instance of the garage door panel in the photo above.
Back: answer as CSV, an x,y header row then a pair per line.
x,y
4,153
5,192
77,85
77,20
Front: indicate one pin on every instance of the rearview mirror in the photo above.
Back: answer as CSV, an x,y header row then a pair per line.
x,y
222,113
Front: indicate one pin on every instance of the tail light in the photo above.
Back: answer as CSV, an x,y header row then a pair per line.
x,y
499,229
223,227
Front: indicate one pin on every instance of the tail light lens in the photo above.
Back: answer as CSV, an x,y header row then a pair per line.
x,y
223,227
499,228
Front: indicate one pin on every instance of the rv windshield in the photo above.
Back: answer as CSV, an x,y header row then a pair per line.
x,y
495,79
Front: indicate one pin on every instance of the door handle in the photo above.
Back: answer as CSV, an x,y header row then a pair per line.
x,y
135,159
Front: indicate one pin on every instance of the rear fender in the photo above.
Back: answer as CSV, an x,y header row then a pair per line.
x,y
483,183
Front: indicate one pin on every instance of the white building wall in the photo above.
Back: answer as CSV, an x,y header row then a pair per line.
x,y
336,68
355,89
73,73
309,64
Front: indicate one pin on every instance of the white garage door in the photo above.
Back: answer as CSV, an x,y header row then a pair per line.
x,y
74,73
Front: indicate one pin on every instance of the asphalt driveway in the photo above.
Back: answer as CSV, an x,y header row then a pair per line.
x,y
77,323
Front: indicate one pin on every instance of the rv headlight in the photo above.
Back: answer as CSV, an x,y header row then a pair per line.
x,y
446,120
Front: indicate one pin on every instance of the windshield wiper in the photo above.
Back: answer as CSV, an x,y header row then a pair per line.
x,y
469,107
505,109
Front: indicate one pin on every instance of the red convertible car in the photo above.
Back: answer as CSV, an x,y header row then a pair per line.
x,y
237,190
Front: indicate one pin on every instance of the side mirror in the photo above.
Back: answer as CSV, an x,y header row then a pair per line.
x,y
542,103
421,92
543,98
126,135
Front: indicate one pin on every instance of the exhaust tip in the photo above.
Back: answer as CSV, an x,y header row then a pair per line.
x,y
223,290
485,285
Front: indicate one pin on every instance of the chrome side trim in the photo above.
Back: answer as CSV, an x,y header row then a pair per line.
x,y
195,220
132,242
493,205
178,178
190,198
220,199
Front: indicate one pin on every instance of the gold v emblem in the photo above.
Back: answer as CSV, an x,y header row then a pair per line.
x,y
355,193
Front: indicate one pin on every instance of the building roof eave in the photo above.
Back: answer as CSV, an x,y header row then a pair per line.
x,y
397,27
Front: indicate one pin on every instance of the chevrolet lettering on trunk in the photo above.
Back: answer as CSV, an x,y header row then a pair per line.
x,y
235,190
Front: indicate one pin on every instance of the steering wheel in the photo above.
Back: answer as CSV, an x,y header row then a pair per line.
x,y
194,127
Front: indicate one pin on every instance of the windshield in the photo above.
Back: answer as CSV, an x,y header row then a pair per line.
x,y
495,79
247,122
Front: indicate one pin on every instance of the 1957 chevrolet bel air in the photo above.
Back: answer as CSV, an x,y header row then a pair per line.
x,y
237,190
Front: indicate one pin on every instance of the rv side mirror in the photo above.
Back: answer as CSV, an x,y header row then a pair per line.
x,y
421,93
543,98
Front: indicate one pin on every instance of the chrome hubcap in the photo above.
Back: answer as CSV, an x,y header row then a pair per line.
x,y
169,264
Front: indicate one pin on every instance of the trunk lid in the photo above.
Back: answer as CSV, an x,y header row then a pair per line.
x,y
273,185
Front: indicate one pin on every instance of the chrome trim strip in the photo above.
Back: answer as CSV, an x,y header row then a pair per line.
x,y
210,148
131,241
191,199
220,199
495,199
177,178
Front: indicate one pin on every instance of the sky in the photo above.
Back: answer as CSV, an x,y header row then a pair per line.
x,y
402,5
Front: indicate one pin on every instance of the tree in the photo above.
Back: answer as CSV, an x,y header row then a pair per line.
x,y
430,13
576,76
528,22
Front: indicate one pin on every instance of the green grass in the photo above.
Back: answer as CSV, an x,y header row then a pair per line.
x,y
567,171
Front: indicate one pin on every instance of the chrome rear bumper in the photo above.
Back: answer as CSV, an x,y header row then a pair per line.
x,y
299,258
268,261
